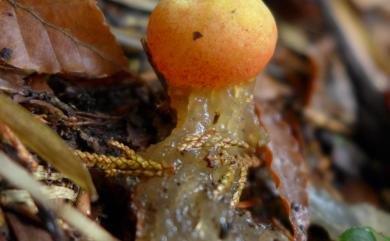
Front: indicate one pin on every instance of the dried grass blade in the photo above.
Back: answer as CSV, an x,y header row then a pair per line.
x,y
45,142
22,179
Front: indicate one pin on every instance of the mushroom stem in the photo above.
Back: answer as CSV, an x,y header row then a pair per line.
x,y
228,111
212,146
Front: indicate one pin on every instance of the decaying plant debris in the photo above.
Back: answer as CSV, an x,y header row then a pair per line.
x,y
323,116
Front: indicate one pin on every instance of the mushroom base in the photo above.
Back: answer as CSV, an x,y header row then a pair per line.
x,y
212,147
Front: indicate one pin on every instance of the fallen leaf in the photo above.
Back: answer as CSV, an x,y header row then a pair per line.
x,y
56,36
11,80
287,167
24,231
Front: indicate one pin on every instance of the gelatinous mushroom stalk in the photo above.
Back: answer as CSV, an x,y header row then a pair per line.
x,y
212,148
209,52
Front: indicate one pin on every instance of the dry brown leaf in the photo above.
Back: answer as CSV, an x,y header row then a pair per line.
x,y
288,168
11,80
57,36
25,231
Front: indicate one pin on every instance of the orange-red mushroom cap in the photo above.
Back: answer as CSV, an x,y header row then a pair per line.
x,y
210,43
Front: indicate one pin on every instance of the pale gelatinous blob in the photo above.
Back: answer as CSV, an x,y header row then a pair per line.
x,y
183,206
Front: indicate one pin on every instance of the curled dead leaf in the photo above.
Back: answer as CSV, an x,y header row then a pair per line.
x,y
288,168
58,37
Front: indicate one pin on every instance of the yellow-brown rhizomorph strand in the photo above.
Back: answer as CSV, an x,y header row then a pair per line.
x,y
218,154
129,164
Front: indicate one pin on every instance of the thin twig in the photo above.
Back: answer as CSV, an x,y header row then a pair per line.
x,y
22,152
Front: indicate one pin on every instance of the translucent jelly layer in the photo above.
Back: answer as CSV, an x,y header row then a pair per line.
x,y
216,135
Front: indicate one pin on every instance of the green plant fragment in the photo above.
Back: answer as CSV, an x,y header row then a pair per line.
x,y
360,234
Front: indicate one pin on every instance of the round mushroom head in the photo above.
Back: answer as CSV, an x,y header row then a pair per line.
x,y
210,43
